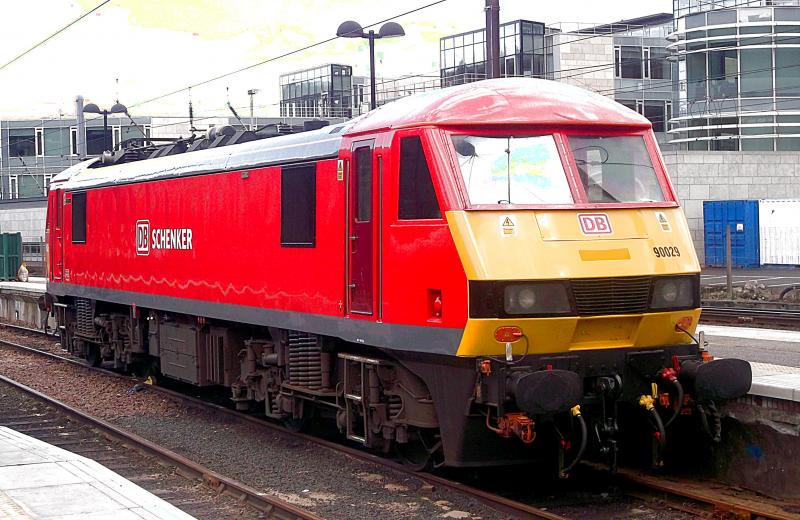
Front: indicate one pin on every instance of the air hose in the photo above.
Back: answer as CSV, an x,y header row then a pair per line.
x,y
676,410
646,402
576,413
662,434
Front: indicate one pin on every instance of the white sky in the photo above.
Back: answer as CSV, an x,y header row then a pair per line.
x,y
157,46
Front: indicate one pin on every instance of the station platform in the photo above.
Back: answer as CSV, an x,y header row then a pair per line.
x,y
41,481
19,302
758,346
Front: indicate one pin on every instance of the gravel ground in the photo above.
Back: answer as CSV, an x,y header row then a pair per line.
x,y
34,418
300,472
294,470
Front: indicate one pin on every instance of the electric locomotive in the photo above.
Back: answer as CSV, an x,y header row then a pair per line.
x,y
471,276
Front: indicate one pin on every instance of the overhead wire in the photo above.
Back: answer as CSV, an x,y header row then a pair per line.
x,y
281,56
59,31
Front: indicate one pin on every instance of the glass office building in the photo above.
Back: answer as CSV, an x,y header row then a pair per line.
x,y
645,80
320,92
739,71
462,57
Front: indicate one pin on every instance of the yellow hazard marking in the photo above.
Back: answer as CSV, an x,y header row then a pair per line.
x,y
148,381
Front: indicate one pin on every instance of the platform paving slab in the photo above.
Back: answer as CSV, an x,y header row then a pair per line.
x,y
41,481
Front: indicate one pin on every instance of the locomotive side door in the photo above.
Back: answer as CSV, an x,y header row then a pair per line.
x,y
56,239
361,230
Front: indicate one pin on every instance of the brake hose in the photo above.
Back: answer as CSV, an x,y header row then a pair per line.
x,y
662,435
676,410
576,413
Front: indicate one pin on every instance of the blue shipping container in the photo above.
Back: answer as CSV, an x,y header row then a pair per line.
x,y
742,217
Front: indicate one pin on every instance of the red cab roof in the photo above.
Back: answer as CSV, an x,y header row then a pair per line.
x,y
506,101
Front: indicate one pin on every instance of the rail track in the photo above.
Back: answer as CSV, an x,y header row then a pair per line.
x,y
761,316
517,509
30,413
271,507
695,499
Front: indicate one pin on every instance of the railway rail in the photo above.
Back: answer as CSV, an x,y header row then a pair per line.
x,y
271,507
690,498
755,316
498,502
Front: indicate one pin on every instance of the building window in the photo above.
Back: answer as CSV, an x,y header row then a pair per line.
x,y
13,186
39,142
46,182
660,67
21,142
756,72
655,112
787,72
631,62
723,70
55,141
298,205
97,140
117,139
696,76
417,198
79,218
73,141
646,62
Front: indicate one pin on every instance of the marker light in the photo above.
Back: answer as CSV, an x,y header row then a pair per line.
x,y
508,334
683,324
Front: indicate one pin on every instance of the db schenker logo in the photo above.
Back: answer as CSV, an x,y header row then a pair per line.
x,y
142,237
594,223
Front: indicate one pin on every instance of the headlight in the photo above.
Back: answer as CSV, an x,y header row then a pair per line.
x,y
674,292
536,298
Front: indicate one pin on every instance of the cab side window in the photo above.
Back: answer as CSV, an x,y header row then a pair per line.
x,y
417,196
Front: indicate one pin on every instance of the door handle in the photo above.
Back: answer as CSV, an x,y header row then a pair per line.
x,y
351,286
352,237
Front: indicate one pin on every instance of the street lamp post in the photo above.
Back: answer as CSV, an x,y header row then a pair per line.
x,y
351,29
118,108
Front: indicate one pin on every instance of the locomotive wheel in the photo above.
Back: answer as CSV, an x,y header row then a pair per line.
x,y
93,355
418,454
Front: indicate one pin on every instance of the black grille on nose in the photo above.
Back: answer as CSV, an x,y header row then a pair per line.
x,y
612,295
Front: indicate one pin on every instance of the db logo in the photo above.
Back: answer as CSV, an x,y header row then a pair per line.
x,y
594,223
142,237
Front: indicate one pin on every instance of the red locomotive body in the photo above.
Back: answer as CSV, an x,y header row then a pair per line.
x,y
337,272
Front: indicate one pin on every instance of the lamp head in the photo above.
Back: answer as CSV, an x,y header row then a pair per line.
x,y
92,108
350,29
118,108
391,30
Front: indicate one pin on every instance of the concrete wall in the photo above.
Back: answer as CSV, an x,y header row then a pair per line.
x,y
26,216
19,304
700,176
577,51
